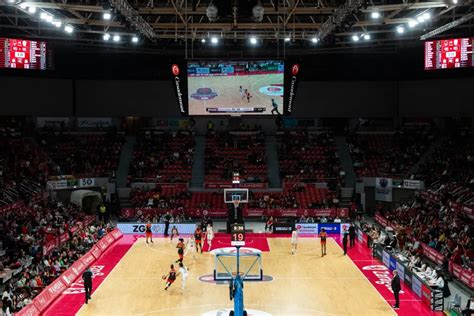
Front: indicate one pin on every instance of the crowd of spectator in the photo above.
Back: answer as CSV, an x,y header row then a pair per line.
x,y
449,172
229,152
438,225
83,154
311,157
162,156
390,154
24,233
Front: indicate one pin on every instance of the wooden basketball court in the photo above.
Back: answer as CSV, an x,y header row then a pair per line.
x,y
228,94
303,284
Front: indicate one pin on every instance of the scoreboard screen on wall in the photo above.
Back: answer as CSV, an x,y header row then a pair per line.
x,y
229,87
22,54
449,53
237,234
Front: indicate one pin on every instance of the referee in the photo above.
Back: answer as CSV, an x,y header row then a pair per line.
x,y
275,107
87,278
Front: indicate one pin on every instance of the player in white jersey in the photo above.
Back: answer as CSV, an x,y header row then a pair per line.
x,y
191,247
294,240
241,90
209,235
183,271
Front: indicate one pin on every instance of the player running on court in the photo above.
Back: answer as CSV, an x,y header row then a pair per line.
x,y
323,235
170,277
275,107
191,247
209,236
183,271
198,239
174,233
148,234
180,247
294,240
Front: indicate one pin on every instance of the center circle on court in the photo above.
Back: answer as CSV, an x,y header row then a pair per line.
x,y
271,90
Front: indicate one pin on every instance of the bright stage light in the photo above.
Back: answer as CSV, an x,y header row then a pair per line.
x,y
106,37
203,40
426,16
107,16
134,39
116,38
23,5
375,15
366,37
214,40
32,10
253,40
314,39
68,29
287,39
355,38
400,29
412,23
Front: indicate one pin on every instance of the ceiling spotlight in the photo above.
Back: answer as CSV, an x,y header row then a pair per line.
x,y
106,16
49,18
57,23
32,10
355,38
253,40
11,1
116,38
203,40
43,16
412,23
375,15
426,16
212,12
287,39
68,29
135,39
420,19
400,29
314,39
23,5
106,37
455,1
366,37
214,40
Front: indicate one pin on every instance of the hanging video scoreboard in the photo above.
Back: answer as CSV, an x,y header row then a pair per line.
x,y
237,234
449,53
22,54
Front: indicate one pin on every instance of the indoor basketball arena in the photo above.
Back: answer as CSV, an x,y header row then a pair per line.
x,y
231,157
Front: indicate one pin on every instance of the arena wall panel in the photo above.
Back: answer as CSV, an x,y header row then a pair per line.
x,y
36,96
125,98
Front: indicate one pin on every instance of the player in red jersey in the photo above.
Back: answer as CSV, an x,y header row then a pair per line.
x,y
148,234
198,239
323,235
171,277
248,96
180,247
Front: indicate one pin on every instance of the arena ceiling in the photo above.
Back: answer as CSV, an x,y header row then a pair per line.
x,y
286,25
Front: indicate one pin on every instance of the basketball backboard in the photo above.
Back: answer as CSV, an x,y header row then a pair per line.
x,y
231,195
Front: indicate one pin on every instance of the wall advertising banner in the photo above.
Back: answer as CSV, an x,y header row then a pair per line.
x,y
393,263
94,122
139,228
385,258
383,189
416,285
401,270
307,228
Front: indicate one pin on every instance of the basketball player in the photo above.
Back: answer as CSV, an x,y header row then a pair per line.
x,y
180,247
275,107
209,235
171,277
244,94
174,233
248,97
241,90
183,271
294,240
198,239
323,235
148,233
191,247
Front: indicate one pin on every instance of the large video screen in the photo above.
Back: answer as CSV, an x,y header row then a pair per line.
x,y
449,53
235,87
22,54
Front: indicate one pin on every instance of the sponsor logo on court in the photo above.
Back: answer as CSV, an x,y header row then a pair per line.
x,y
78,287
382,274
204,94
272,90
